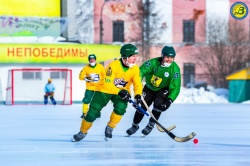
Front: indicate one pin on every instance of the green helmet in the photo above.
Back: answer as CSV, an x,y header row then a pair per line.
x,y
128,50
168,51
91,56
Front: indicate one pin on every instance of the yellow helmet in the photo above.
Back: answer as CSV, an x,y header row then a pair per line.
x,y
49,80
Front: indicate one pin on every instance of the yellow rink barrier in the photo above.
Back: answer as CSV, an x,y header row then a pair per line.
x,y
56,53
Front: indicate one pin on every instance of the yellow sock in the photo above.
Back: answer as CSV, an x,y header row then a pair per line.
x,y
85,108
114,120
85,126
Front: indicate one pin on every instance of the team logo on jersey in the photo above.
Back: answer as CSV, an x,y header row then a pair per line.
x,y
109,72
119,82
156,81
147,64
95,77
166,74
239,10
176,75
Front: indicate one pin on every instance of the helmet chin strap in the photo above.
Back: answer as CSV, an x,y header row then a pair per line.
x,y
126,62
92,64
166,64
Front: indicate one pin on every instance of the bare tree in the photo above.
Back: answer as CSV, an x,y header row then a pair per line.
x,y
150,29
227,50
83,20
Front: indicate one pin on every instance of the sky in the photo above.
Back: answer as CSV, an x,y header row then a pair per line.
x,y
41,135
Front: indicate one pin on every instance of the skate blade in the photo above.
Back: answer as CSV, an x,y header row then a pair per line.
x,y
106,139
127,135
142,136
73,140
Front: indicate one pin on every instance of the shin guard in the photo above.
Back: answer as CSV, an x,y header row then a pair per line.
x,y
114,120
85,126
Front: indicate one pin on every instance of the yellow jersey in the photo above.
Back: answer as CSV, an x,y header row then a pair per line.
x,y
118,77
94,73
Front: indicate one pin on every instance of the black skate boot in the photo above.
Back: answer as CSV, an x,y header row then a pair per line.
x,y
78,137
108,132
132,130
148,129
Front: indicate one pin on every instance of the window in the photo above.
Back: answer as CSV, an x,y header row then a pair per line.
x,y
63,74
55,75
58,75
38,75
189,74
118,31
28,75
31,75
188,31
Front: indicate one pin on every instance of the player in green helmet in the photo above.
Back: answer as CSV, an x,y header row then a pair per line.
x,y
120,75
93,74
163,83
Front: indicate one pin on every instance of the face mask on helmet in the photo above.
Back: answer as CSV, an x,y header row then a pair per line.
x,y
165,64
166,60
125,61
92,63
169,52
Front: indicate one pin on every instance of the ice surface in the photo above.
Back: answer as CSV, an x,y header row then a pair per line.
x,y
40,135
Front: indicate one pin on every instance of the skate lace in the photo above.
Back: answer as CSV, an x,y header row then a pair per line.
x,y
109,129
80,134
148,128
133,128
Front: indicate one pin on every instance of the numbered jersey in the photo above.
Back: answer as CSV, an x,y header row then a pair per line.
x,y
118,77
158,77
94,74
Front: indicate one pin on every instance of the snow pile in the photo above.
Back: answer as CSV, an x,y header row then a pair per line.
x,y
194,95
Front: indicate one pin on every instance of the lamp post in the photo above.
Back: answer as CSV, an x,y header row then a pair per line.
x,y
101,22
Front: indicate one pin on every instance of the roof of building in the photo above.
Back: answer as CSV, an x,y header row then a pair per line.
x,y
242,74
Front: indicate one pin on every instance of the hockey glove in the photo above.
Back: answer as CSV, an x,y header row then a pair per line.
x,y
138,99
124,95
88,79
166,105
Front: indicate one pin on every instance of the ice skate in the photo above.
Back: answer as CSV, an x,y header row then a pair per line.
x,y
53,100
147,129
108,133
45,100
132,130
78,137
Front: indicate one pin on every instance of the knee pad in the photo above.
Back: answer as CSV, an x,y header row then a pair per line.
x,y
157,103
51,94
120,108
86,99
93,112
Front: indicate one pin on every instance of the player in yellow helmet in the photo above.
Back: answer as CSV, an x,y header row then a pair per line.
x,y
49,90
